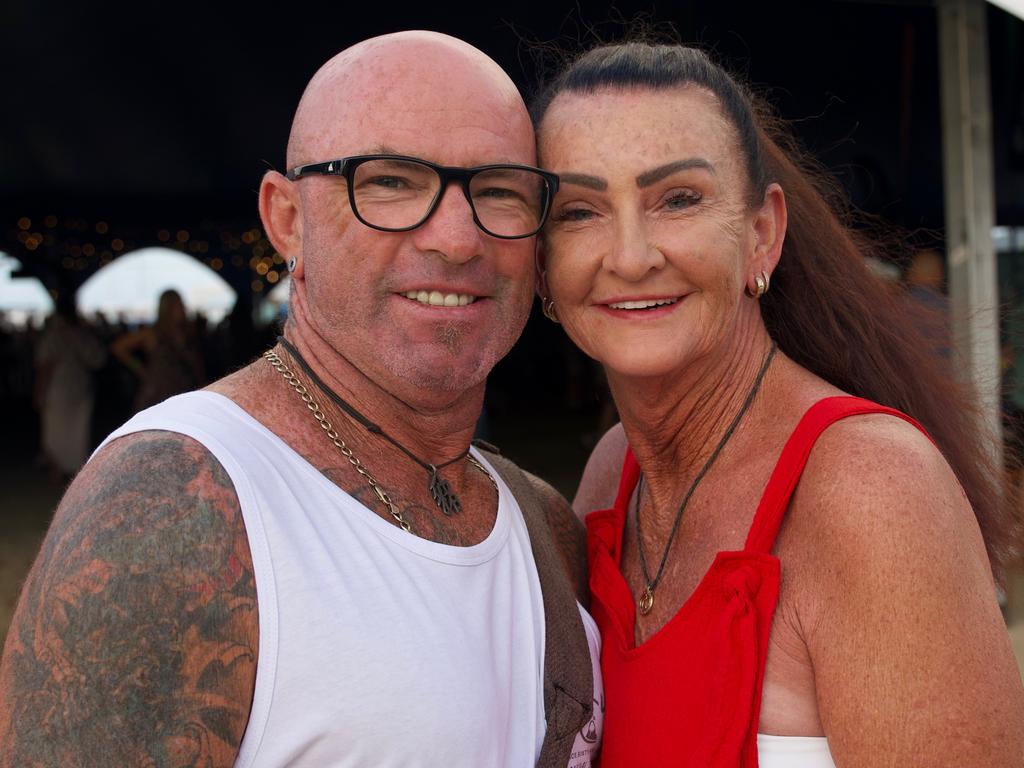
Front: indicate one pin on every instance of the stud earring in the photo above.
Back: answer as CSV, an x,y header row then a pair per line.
x,y
292,262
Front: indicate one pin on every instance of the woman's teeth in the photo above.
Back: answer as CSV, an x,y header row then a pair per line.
x,y
642,304
438,299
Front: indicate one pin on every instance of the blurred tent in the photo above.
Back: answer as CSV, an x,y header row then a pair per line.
x,y
22,299
1016,7
130,286
275,305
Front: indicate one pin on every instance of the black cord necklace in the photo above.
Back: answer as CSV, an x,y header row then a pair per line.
x,y
646,601
440,489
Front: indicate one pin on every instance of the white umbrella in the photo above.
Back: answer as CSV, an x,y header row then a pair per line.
x,y
21,298
131,286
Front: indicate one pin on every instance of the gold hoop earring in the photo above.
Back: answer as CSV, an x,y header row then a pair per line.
x,y
547,306
760,286
767,282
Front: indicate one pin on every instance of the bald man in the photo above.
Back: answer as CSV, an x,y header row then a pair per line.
x,y
307,564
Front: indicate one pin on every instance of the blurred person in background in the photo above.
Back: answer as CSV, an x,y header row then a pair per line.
x,y
67,357
172,358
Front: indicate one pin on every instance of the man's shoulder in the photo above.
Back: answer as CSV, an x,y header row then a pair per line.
x,y
147,553
565,529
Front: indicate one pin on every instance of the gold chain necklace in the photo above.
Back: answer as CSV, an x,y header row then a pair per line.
x,y
281,367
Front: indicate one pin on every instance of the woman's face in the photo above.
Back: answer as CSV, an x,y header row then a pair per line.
x,y
650,241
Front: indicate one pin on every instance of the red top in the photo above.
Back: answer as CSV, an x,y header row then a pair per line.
x,y
691,694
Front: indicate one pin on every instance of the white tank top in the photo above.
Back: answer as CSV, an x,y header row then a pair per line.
x,y
376,647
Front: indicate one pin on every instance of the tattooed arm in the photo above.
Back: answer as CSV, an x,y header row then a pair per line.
x,y
134,640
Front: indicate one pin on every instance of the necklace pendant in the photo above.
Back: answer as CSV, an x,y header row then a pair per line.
x,y
646,601
443,494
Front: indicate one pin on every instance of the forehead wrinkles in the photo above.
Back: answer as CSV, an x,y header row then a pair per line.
x,y
687,120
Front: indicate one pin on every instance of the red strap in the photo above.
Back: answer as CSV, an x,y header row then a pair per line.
x,y
791,463
627,480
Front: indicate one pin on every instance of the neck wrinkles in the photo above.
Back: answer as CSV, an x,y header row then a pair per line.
x,y
674,423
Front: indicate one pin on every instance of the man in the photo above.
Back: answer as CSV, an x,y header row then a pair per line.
x,y
302,566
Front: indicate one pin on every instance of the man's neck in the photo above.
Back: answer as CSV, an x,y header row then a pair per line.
x,y
434,425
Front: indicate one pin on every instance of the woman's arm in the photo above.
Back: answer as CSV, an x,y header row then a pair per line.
x,y
126,345
912,661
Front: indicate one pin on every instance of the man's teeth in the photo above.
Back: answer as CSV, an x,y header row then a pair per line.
x,y
438,299
642,304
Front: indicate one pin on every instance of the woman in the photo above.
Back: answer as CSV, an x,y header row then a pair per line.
x,y
173,360
734,316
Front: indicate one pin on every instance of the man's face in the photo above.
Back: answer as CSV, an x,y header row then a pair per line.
x,y
383,299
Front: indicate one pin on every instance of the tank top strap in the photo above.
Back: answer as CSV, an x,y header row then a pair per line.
x,y
627,480
793,458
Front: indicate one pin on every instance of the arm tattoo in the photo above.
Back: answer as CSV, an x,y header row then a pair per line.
x,y
135,638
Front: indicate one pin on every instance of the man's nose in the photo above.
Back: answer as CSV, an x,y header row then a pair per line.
x,y
450,230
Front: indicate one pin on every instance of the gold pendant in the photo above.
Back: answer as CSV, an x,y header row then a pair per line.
x,y
646,601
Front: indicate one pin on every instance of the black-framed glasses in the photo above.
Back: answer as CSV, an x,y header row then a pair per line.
x,y
395,193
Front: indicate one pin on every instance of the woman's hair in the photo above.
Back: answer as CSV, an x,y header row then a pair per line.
x,y
825,309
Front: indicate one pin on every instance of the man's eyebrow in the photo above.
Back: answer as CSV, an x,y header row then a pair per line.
x,y
584,180
655,175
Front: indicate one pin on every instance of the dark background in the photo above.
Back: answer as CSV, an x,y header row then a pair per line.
x,y
127,124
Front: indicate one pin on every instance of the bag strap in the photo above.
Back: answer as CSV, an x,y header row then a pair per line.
x,y
568,674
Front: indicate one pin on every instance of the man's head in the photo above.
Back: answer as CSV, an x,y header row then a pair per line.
x,y
366,292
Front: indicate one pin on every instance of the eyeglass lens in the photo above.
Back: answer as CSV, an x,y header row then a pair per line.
x,y
397,194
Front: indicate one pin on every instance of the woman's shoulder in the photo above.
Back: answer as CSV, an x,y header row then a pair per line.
x,y
867,459
876,494
600,481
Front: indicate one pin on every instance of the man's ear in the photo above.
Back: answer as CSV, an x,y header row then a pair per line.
x,y
282,219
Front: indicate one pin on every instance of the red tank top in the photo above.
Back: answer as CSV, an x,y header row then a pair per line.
x,y
691,694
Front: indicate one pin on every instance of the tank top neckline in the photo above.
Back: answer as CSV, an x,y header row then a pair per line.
x,y
474,554
761,535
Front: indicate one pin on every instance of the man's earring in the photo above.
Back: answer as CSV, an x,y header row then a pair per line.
x,y
292,262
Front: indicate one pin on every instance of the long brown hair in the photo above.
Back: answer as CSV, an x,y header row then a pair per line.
x,y
825,309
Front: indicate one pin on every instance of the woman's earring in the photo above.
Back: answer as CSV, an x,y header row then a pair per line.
x,y
760,286
547,306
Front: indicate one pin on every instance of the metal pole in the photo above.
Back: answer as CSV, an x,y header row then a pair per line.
x,y
970,200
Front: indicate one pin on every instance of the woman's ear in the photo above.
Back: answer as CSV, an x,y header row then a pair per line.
x,y
769,230
282,219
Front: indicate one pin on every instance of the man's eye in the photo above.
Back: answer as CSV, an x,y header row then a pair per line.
x,y
389,182
497,193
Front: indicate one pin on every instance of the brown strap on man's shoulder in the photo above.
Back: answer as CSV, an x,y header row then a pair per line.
x,y
568,674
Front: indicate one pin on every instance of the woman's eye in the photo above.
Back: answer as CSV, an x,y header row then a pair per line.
x,y
573,214
682,198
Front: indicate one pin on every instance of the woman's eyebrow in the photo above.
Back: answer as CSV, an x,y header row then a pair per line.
x,y
655,175
584,180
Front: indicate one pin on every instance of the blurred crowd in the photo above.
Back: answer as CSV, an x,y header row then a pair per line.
x,y
71,380
68,382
